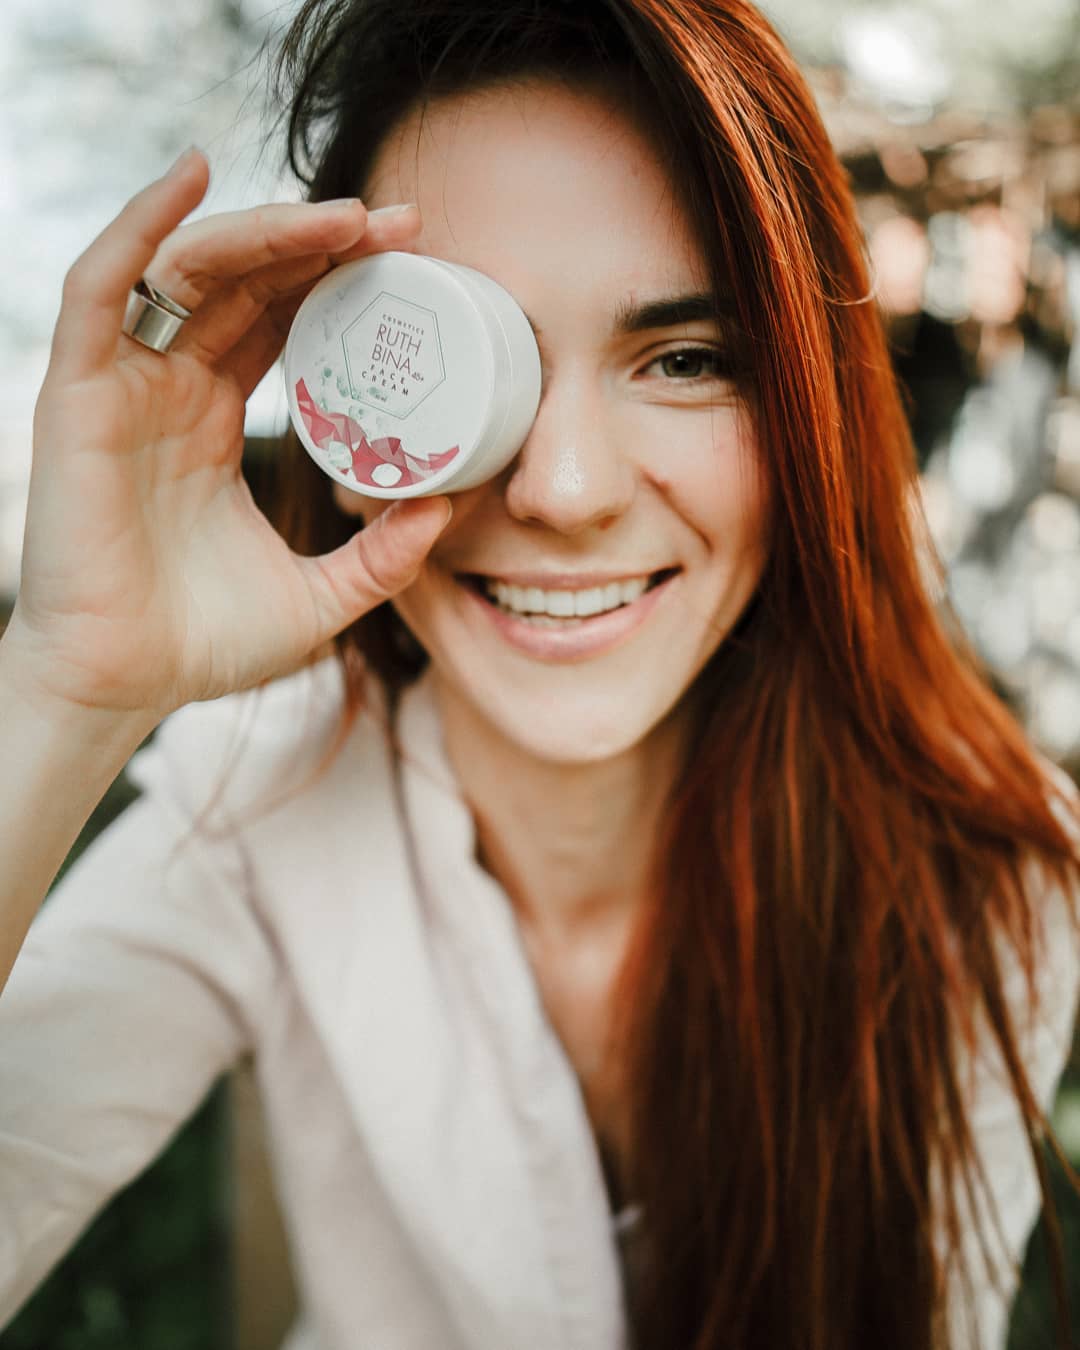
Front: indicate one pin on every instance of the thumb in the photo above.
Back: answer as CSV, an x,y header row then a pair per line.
x,y
377,562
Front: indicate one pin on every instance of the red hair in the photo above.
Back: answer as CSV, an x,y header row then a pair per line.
x,y
860,836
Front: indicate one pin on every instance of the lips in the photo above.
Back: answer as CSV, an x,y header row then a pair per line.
x,y
587,598
563,596
568,636
534,597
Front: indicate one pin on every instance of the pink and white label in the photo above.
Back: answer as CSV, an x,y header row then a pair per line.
x,y
382,462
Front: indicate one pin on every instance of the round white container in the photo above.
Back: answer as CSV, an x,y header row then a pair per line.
x,y
408,376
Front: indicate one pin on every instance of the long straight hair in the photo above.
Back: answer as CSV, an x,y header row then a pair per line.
x,y
860,835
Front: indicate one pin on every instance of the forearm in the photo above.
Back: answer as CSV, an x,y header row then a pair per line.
x,y
58,759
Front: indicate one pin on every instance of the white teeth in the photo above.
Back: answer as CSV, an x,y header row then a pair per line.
x,y
589,602
561,604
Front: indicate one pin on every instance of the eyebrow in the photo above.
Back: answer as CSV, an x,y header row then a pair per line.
x,y
664,312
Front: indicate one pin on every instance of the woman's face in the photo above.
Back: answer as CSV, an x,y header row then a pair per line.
x,y
637,492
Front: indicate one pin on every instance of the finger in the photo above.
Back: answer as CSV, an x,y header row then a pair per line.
x,y
96,288
375,564
260,347
388,227
228,316
193,261
229,311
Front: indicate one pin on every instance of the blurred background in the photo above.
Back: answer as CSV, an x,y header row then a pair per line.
x,y
959,121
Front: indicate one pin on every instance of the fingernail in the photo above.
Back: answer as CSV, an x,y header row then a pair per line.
x,y
387,212
182,160
449,511
351,202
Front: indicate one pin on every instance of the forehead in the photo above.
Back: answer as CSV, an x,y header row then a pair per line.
x,y
535,179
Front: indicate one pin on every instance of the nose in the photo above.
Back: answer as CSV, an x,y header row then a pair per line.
x,y
571,472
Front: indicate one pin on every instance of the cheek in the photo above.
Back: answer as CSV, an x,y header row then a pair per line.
x,y
744,508
745,512
352,504
718,484
755,495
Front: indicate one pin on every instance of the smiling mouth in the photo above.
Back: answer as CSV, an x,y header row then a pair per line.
x,y
561,608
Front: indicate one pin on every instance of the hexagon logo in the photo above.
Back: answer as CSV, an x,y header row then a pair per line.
x,y
393,355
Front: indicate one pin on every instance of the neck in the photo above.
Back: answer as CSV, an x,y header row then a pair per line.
x,y
571,844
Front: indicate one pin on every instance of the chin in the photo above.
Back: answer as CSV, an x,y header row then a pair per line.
x,y
580,746
567,726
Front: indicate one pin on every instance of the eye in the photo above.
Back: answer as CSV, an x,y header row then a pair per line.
x,y
693,363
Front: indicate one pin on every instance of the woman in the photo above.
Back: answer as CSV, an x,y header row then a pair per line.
x,y
730,931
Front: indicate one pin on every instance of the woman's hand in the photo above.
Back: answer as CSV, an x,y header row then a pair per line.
x,y
149,578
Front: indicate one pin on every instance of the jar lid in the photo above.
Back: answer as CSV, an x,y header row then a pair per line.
x,y
401,377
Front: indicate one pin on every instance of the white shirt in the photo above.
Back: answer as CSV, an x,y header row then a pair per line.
x,y
439,1178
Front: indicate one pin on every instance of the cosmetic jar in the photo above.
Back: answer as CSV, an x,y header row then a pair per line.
x,y
409,376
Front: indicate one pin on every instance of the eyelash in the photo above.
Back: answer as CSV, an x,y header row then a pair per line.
x,y
721,364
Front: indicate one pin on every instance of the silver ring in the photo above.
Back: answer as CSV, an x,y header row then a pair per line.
x,y
152,317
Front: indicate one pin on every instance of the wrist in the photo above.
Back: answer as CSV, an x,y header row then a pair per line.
x,y
59,758
28,693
